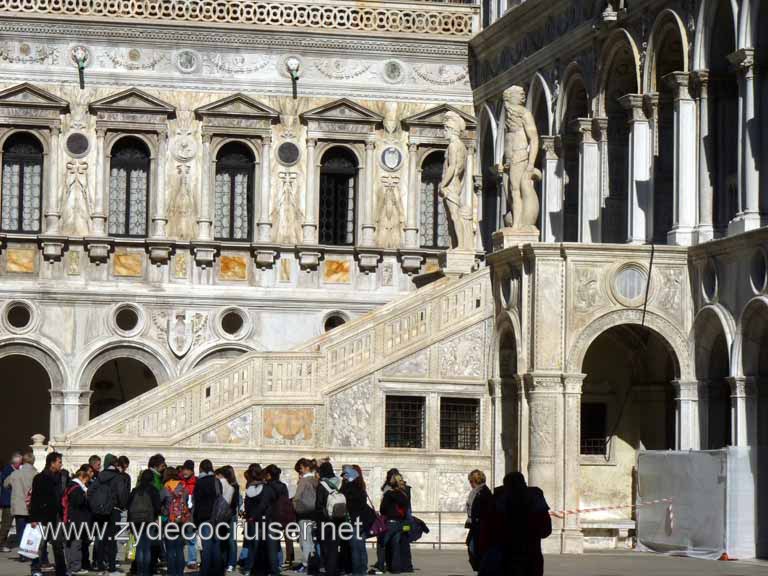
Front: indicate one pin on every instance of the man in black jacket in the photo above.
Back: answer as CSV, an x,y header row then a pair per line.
x,y
45,509
207,490
117,483
77,514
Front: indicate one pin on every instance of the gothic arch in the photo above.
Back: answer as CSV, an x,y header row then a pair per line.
x,y
507,326
667,22
751,346
538,91
705,24
42,352
676,341
573,79
151,356
194,360
619,40
710,322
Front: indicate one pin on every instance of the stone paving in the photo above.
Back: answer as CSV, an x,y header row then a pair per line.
x,y
453,563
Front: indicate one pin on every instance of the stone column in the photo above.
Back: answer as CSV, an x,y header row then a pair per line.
x,y
687,434
545,404
572,539
703,412
743,411
160,218
748,217
600,133
589,182
704,228
412,212
265,197
551,192
684,218
52,210
311,194
204,220
99,216
640,190
498,459
369,197
468,175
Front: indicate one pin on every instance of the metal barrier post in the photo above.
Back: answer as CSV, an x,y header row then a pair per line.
x,y
439,530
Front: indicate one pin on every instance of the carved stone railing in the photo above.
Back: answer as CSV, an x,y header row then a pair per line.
x,y
216,393
453,19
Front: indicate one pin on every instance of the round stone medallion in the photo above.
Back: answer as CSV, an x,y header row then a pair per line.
x,y
288,153
391,158
77,145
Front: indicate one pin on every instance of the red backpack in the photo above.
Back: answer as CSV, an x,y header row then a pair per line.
x,y
65,502
178,508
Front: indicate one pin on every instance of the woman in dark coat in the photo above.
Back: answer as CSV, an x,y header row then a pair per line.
x,y
479,519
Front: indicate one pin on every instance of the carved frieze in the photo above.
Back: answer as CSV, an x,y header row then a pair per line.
x,y
28,53
349,416
462,356
414,365
340,69
236,432
453,491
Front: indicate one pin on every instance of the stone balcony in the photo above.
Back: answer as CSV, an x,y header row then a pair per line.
x,y
446,19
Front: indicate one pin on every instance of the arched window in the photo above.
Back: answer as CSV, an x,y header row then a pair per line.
x,y
129,188
235,165
22,184
338,191
433,228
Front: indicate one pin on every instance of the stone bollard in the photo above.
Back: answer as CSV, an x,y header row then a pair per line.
x,y
39,449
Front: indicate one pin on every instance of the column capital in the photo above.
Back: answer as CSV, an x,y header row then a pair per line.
x,y
370,146
572,383
634,104
100,132
687,389
311,142
680,82
743,60
413,147
550,145
742,386
266,140
583,127
543,383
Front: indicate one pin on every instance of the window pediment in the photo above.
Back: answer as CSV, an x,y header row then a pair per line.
x,y
132,106
342,117
32,105
236,112
428,126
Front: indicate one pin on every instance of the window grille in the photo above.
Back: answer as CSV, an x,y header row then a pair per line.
x,y
22,184
460,424
128,188
405,422
594,429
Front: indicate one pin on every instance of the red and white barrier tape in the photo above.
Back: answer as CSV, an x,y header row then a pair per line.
x,y
563,513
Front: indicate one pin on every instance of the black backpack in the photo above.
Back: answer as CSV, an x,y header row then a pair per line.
x,y
141,509
100,498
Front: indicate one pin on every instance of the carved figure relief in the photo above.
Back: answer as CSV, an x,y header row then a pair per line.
x,y
669,292
133,58
462,356
453,491
286,214
338,69
349,416
587,288
235,432
236,63
184,144
460,219
76,209
180,265
391,122
542,421
414,365
521,146
389,211
182,213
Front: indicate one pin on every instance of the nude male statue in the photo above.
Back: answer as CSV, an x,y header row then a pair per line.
x,y
521,147
452,185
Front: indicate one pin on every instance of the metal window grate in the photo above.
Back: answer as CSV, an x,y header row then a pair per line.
x,y
594,429
405,422
459,423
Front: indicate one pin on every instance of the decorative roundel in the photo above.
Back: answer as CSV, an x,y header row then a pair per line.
x,y
19,316
391,158
127,319
77,145
233,323
758,271
393,71
187,61
288,153
709,281
630,284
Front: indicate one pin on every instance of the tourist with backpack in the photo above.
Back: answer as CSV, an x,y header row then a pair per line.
x,y
77,515
20,484
353,489
393,547
331,511
304,504
188,478
108,497
143,509
206,509
177,513
231,493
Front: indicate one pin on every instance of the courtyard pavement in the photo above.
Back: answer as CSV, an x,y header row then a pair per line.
x,y
454,563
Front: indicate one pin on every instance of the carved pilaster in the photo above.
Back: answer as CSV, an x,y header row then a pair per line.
x,y
412,212
99,216
312,191
743,411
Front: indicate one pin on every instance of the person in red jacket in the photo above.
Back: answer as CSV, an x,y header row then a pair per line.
x,y
188,478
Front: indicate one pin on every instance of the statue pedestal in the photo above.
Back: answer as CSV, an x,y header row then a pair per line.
x,y
457,262
508,238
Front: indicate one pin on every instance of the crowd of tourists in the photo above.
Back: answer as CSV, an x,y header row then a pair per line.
x,y
200,516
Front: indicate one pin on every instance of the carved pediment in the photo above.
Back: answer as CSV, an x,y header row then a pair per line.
x,y
343,110
435,117
238,105
29,96
133,100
